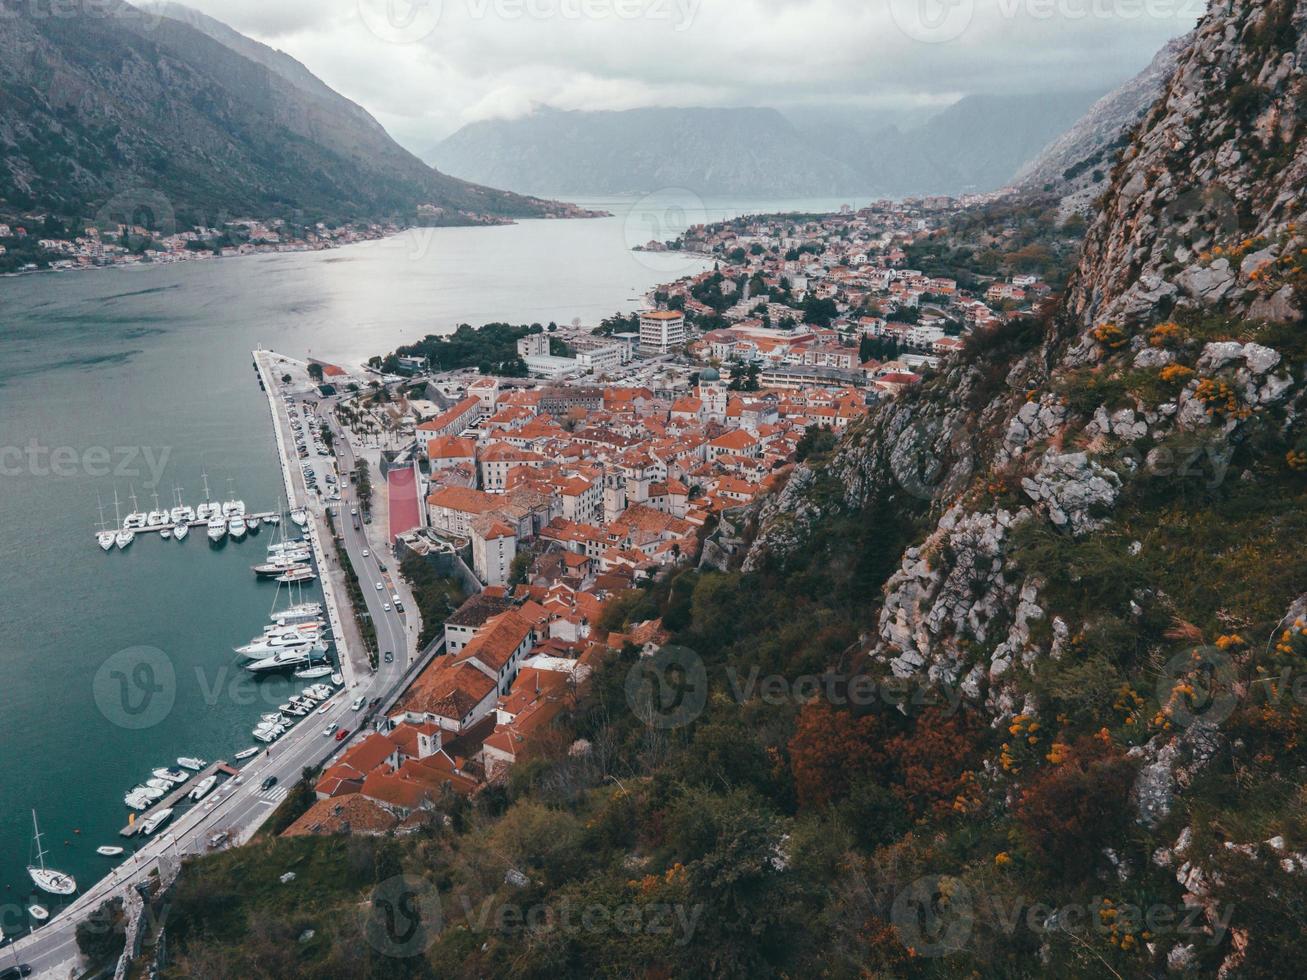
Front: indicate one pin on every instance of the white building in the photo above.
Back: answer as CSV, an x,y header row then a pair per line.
x,y
661,331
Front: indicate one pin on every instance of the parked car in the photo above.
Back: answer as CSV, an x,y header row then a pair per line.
x,y
330,730
390,657
217,840
16,972
342,735
358,703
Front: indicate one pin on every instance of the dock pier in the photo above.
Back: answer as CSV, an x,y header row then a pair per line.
x,y
178,794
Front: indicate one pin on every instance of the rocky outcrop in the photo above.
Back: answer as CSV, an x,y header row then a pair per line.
x,y
1207,205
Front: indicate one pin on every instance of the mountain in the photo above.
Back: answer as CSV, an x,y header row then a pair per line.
x,y
709,151
1076,165
135,107
759,152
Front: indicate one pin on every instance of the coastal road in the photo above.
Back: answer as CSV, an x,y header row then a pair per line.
x,y
240,805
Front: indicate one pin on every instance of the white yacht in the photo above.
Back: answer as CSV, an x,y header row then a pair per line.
x,y
217,528
103,537
137,800
297,573
156,517
300,516
287,659
181,513
165,533
313,673
150,824
181,530
47,879
122,537
298,613
236,528
252,524
163,785
136,519
244,754
260,649
108,851
174,776
202,788
193,764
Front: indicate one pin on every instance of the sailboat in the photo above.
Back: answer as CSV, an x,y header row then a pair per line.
x,y
104,537
156,517
47,879
181,516
123,537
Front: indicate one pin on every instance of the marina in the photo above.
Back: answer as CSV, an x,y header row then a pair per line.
x,y
124,535
179,794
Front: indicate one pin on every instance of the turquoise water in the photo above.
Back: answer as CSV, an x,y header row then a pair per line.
x,y
109,379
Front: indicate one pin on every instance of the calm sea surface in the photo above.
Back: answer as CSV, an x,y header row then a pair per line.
x,y
124,378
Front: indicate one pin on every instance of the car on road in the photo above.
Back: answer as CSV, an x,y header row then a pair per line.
x,y
342,735
330,730
268,783
217,840
15,972
386,606
380,587
390,657
358,703
366,552
374,702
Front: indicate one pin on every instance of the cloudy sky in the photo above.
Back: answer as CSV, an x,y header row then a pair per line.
x,y
426,67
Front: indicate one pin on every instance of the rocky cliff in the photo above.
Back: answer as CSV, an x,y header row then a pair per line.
x,y
1063,532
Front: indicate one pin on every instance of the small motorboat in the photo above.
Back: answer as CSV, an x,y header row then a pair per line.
x,y
166,533
38,912
338,679
180,531
162,785
108,851
312,673
175,776
137,801
202,789
193,764
245,754
150,824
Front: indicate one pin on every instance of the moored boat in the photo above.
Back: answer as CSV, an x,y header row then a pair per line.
x,y
48,879
192,763
108,851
